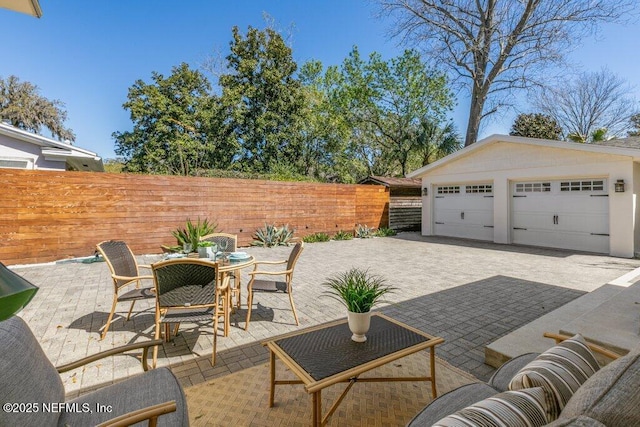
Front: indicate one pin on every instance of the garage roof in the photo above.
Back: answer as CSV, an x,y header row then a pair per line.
x,y
388,181
622,147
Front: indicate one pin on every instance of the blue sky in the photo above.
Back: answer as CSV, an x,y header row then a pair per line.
x,y
87,54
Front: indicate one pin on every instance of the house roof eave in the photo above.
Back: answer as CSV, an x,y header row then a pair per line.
x,y
495,138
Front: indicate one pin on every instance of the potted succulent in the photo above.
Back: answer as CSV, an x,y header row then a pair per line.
x,y
206,249
359,291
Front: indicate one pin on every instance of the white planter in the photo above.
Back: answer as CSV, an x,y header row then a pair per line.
x,y
359,325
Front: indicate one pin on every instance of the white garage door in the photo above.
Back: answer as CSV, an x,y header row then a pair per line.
x,y
568,214
464,211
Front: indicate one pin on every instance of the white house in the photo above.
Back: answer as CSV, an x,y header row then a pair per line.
x,y
25,150
508,189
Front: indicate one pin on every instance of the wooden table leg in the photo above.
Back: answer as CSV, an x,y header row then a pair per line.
x,y
432,361
317,408
272,367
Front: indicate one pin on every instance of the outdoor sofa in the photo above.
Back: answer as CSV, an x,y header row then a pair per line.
x,y
609,397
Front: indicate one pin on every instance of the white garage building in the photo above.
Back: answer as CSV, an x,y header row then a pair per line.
x,y
527,191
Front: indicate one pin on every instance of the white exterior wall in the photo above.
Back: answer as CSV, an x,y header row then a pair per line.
x,y
635,192
503,162
11,148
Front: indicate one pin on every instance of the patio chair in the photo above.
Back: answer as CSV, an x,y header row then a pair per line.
x,y
230,244
187,291
125,273
263,285
29,381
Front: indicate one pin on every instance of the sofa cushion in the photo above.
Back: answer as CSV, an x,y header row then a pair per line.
x,y
611,396
501,378
523,408
26,377
561,370
450,402
148,389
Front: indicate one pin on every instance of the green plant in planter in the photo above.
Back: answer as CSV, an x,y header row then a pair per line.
x,y
357,289
192,233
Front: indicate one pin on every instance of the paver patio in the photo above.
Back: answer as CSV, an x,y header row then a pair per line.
x,y
469,293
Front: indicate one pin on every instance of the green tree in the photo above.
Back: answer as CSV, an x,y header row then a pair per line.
x,y
386,103
22,106
262,100
324,132
536,125
597,135
173,119
435,141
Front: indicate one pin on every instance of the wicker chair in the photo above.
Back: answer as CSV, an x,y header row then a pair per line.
x,y
187,291
260,285
124,272
231,241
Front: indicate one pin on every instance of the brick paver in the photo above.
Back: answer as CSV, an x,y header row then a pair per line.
x,y
470,293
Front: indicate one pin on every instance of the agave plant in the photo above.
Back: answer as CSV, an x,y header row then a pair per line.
x,y
271,235
363,231
192,233
358,290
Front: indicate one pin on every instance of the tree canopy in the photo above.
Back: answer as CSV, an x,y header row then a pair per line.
x,y
591,107
262,99
536,125
171,117
342,123
495,47
22,106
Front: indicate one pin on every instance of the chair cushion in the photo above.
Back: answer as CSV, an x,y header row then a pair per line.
x,y
268,286
451,402
611,396
523,408
501,378
26,376
561,370
151,388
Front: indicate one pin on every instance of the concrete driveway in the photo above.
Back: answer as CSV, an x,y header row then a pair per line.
x,y
469,293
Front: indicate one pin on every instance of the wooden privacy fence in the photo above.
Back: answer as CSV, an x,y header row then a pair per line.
x,y
52,215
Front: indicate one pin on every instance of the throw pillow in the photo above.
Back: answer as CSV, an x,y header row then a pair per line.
x,y
560,371
524,408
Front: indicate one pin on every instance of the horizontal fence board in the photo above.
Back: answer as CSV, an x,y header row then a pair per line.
x,y
51,215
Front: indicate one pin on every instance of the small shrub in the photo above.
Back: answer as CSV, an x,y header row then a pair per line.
x,y
271,235
316,237
363,231
385,232
342,235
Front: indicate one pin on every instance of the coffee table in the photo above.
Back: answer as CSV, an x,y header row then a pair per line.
x,y
325,355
